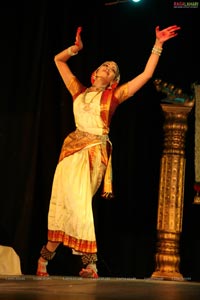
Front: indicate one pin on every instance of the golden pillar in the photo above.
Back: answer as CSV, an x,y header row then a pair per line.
x,y
171,192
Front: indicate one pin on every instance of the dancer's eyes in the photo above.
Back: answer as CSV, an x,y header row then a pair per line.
x,y
110,67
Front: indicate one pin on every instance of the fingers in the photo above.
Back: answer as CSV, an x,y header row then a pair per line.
x,y
173,29
79,29
170,29
157,29
78,38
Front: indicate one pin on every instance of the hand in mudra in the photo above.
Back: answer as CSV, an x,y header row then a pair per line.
x,y
167,33
78,41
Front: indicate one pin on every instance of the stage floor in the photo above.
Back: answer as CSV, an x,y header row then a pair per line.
x,y
75,288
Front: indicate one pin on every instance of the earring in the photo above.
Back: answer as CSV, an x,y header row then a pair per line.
x,y
93,77
113,85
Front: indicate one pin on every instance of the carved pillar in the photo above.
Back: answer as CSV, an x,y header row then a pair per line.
x,y
171,192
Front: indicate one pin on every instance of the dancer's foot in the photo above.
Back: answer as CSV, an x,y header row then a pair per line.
x,y
42,268
88,273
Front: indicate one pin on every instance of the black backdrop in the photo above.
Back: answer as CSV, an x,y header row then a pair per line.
x,y
36,115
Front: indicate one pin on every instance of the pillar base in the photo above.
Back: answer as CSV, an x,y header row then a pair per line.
x,y
175,276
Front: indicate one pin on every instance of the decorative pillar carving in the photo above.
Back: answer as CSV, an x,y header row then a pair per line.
x,y
171,191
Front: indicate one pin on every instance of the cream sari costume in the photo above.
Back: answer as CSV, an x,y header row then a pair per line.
x,y
85,160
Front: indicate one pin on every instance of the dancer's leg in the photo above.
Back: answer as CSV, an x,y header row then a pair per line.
x,y
47,253
90,268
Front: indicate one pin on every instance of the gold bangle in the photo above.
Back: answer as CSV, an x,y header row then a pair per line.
x,y
70,52
157,50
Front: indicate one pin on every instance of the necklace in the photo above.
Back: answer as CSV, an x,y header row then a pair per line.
x,y
86,106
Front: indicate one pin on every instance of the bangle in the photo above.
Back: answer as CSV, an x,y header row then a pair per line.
x,y
70,52
156,50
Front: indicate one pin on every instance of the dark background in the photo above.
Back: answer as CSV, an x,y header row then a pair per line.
x,y
36,115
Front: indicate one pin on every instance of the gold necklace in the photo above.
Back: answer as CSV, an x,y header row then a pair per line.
x,y
86,106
